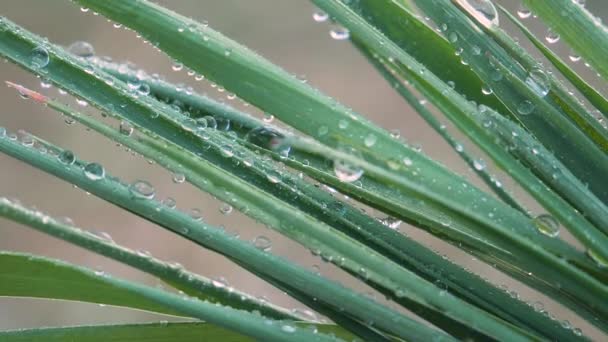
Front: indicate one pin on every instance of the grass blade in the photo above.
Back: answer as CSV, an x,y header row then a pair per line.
x,y
28,276
592,95
178,277
572,21
259,262
524,99
416,72
160,332
163,332
20,266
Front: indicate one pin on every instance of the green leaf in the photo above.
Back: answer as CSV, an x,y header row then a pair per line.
x,y
19,280
356,258
592,95
158,332
30,276
572,22
261,263
509,81
172,274
450,101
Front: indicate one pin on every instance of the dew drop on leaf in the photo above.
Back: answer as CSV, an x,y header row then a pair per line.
x,y
552,37
81,49
320,16
226,209
339,33
482,10
538,80
142,190
524,13
525,107
39,57
547,225
262,243
347,172
94,171
178,177
126,128
66,157
169,202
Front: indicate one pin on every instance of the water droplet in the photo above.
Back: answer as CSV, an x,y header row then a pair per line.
x,y
268,117
81,49
269,138
479,164
142,190
39,57
196,214
94,171
320,16
345,170
391,222
67,157
370,140
220,282
126,128
339,33
225,209
524,13
482,10
273,177
486,89
169,202
574,58
178,178
598,259
177,66
552,37
525,107
288,328
547,225
45,84
262,243
539,81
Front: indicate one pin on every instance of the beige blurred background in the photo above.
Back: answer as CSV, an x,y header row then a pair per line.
x,y
281,30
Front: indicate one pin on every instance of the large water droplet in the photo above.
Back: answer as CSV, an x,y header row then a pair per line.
x,y
39,57
94,171
262,243
142,190
482,10
288,328
524,13
270,139
552,37
339,33
539,81
598,259
346,171
126,128
82,49
178,177
525,107
547,225
67,157
169,202
320,16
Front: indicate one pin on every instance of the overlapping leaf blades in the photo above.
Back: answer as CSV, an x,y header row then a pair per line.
x,y
265,85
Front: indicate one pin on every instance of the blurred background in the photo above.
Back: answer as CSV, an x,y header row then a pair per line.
x,y
281,30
